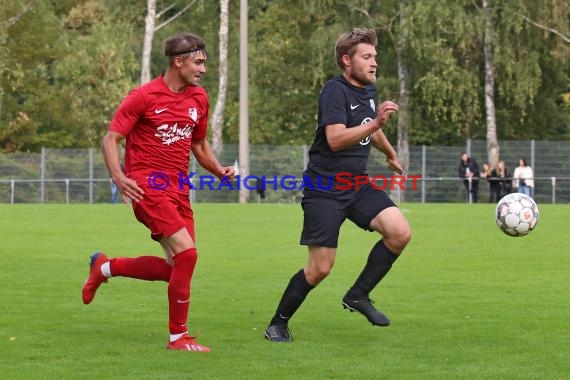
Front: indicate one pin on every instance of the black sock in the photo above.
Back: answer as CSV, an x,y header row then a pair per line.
x,y
292,298
379,263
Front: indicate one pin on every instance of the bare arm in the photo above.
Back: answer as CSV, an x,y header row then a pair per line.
x,y
128,188
203,153
340,137
380,142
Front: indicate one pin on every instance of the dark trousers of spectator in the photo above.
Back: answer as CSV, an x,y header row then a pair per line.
x,y
505,188
472,188
494,193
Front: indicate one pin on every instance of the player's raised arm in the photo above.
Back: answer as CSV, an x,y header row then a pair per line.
x,y
340,137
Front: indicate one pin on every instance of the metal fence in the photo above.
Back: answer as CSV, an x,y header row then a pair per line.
x,y
80,176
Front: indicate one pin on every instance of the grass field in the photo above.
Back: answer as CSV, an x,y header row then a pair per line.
x,y
466,301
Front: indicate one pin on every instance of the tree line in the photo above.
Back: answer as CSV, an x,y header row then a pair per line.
x,y
479,69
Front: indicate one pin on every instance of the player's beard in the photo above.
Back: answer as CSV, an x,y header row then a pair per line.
x,y
364,78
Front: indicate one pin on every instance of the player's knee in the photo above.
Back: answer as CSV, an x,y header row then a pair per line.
x,y
406,235
317,273
399,239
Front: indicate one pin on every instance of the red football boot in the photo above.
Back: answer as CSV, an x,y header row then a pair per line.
x,y
95,278
187,343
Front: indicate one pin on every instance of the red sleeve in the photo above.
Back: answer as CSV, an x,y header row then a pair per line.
x,y
202,126
127,115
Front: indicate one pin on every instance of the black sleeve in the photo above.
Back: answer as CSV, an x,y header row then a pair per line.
x,y
332,104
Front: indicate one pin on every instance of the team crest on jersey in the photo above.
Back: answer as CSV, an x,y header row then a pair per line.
x,y
372,105
193,114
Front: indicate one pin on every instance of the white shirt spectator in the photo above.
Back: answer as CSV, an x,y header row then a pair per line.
x,y
523,173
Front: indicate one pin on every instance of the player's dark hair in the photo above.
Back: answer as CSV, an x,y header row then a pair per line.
x,y
183,43
347,42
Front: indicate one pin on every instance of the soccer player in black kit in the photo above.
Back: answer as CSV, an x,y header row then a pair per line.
x,y
349,122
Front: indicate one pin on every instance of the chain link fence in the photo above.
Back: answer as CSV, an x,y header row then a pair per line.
x,y
80,176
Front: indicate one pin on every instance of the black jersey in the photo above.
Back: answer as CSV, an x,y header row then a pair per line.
x,y
341,103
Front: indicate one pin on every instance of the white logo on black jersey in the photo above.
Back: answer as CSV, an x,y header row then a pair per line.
x,y
366,140
372,105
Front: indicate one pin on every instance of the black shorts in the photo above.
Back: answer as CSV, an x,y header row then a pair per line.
x,y
323,215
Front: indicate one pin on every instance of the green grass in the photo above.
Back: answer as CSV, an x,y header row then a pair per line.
x,y
465,300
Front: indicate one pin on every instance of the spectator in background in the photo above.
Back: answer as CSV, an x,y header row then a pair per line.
x,y
114,191
468,170
260,188
490,174
524,178
505,179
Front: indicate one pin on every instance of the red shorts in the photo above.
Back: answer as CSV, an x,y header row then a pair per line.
x,y
165,212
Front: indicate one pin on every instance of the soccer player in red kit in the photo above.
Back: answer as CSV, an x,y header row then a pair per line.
x,y
162,121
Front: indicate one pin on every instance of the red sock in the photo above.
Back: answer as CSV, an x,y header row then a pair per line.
x,y
150,268
179,290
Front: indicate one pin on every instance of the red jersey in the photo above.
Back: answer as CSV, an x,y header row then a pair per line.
x,y
159,126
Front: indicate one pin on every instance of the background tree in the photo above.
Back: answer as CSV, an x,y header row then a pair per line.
x,y
291,56
32,45
150,28
10,14
66,64
491,121
94,79
218,115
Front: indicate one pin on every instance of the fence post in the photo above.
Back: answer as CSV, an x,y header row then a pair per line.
x,y
305,156
42,174
90,175
424,160
192,191
553,179
67,191
398,193
12,185
532,148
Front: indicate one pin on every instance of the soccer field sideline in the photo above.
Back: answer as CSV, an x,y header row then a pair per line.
x,y
465,299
